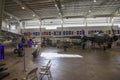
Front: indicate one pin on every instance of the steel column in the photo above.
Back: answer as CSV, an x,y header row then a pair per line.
x,y
1,12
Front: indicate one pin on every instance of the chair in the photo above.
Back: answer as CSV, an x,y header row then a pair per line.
x,y
45,71
32,75
46,66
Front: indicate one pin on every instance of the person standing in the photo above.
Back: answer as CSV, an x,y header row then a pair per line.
x,y
84,40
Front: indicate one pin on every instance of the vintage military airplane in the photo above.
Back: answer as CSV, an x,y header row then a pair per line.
x,y
101,39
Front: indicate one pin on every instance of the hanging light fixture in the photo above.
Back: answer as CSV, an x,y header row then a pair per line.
x,y
33,15
89,11
94,1
23,7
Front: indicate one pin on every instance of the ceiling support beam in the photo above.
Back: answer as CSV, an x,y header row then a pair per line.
x,y
104,2
90,9
117,10
59,9
26,7
36,2
58,6
9,14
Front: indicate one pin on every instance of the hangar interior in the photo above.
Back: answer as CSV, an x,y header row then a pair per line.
x,y
55,29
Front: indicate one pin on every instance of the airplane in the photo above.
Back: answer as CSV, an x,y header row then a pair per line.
x,y
102,39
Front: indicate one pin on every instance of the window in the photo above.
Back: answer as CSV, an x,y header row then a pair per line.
x,y
12,27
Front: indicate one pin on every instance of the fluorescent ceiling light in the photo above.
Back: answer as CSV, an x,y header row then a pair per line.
x,y
89,11
23,7
94,1
55,5
59,13
33,15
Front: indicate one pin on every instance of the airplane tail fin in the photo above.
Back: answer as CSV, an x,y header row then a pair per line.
x,y
114,36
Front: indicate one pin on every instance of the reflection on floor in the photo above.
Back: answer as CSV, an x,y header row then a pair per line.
x,y
75,64
52,55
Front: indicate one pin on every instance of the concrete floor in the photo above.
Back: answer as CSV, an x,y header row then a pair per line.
x,y
75,64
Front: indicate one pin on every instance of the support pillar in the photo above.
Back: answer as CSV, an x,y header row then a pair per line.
x,y
40,32
86,25
1,12
62,29
22,27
